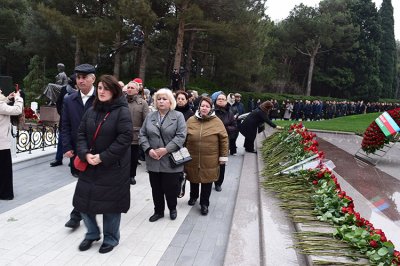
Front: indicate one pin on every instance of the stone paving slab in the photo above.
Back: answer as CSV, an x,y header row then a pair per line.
x,y
34,233
32,228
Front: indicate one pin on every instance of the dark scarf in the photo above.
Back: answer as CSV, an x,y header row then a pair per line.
x,y
182,109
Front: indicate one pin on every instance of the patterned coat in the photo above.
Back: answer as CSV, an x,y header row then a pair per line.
x,y
207,142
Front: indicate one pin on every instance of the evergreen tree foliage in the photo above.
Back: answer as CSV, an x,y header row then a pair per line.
x,y
365,58
12,17
341,48
387,63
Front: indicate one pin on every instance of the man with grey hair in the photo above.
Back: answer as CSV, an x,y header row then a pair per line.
x,y
74,107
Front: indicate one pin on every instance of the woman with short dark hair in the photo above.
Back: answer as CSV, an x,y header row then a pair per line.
x,y
182,104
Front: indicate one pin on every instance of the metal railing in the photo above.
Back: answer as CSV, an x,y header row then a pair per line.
x,y
34,137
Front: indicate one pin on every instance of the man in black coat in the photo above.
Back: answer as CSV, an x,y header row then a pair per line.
x,y
65,90
74,106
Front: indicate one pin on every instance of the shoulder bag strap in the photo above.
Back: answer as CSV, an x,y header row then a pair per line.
x,y
98,129
162,122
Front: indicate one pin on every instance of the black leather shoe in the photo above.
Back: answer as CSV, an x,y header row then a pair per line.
x,y
204,209
55,163
7,198
173,214
218,188
105,248
73,224
132,181
86,244
251,151
155,217
192,201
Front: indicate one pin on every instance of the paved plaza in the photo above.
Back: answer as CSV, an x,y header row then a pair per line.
x,y
244,226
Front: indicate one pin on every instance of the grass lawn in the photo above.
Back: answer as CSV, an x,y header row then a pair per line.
x,y
354,123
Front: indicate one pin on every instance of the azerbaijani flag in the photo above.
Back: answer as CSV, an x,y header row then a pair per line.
x,y
379,203
387,124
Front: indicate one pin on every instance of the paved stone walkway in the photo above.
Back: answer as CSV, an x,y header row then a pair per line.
x,y
32,228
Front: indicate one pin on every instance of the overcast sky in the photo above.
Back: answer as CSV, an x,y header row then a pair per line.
x,y
279,9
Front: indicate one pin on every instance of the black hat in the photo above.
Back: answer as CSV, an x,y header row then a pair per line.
x,y
85,69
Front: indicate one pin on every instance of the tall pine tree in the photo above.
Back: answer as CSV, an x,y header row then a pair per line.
x,y
387,64
367,84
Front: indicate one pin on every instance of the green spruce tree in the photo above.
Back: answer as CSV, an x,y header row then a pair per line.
x,y
387,63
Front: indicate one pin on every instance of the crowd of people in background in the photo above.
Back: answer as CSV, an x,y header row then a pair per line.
x,y
317,110
112,126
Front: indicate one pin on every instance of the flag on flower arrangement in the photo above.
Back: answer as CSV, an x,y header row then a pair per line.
x,y
387,124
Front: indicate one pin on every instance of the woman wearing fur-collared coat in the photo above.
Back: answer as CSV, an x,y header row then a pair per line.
x,y
207,142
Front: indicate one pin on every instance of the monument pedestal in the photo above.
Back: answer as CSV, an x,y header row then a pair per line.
x,y
49,115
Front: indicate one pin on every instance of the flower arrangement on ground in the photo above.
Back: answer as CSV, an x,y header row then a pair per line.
x,y
373,138
30,116
314,197
290,147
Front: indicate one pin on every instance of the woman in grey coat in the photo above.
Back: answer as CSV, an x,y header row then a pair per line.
x,y
163,132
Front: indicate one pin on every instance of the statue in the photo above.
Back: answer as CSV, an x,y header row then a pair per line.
x,y
52,90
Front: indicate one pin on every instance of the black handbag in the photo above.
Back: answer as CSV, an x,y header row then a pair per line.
x,y
179,157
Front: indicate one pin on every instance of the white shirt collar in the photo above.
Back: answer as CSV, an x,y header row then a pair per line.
x,y
87,96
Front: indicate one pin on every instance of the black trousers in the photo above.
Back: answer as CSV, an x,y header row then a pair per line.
x,y
134,159
249,142
221,175
204,194
232,142
6,176
164,185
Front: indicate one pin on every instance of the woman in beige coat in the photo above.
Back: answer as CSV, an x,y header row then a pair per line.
x,y
207,142
6,176
139,109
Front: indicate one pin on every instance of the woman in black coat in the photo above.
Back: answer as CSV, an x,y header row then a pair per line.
x,y
104,187
250,125
182,104
223,113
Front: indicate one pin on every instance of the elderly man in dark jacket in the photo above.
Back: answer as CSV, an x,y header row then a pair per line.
x,y
74,106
